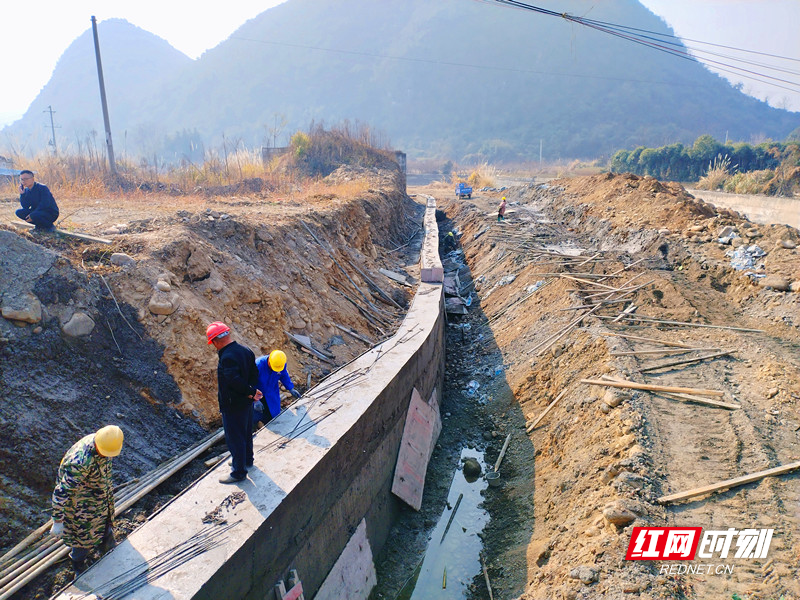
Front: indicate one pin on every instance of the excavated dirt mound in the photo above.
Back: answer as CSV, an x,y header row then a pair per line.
x,y
98,334
595,466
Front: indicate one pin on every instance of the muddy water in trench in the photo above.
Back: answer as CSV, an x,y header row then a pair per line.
x,y
452,559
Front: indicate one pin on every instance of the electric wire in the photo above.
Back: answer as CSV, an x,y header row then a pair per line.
x,y
679,50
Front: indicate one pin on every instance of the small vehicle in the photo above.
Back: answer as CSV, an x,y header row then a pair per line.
x,y
463,190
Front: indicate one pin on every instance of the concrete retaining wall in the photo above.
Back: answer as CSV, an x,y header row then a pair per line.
x,y
322,475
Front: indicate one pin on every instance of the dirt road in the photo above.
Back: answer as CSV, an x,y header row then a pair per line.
x,y
759,209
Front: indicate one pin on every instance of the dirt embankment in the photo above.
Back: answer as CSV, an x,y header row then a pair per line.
x,y
136,354
603,457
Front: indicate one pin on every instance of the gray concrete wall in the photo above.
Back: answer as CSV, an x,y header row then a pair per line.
x,y
309,489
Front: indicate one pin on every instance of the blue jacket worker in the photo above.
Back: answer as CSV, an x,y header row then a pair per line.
x,y
38,205
271,372
237,390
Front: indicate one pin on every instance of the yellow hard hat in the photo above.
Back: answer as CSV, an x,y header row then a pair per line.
x,y
108,440
277,360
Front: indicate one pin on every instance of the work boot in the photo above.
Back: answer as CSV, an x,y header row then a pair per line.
x,y
231,479
78,566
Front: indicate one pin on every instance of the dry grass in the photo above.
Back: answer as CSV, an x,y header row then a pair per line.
x,y
718,173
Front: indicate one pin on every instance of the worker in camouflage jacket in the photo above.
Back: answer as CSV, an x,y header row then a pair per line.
x,y
83,499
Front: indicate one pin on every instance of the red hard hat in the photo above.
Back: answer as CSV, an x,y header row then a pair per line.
x,y
215,329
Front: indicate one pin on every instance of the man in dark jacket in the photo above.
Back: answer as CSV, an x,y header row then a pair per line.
x,y
38,205
237,378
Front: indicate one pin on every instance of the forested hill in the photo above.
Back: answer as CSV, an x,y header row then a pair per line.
x,y
454,78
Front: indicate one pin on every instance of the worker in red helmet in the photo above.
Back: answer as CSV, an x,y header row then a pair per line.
x,y
271,373
237,390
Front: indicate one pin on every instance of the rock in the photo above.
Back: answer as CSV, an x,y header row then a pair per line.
x,y
80,324
163,286
632,480
726,231
697,228
619,515
198,266
753,233
794,286
162,304
609,474
585,573
259,331
614,398
788,244
736,242
472,468
121,259
25,307
664,231
37,330
776,282
772,392
487,435
605,408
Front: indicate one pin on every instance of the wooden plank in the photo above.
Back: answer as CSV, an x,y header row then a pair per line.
x,y
662,351
412,459
502,454
653,388
550,406
730,483
79,236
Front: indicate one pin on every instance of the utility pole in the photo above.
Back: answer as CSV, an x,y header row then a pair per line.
x,y
109,145
541,141
52,130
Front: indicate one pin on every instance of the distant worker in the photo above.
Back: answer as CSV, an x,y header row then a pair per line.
x,y
237,390
450,242
83,499
38,205
272,372
501,210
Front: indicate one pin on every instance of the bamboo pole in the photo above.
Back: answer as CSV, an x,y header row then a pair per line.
x,y
25,543
697,400
22,581
550,406
664,351
653,388
354,334
664,322
549,342
486,577
729,483
687,361
502,454
374,285
648,339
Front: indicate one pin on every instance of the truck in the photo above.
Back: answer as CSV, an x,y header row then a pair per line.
x,y
463,190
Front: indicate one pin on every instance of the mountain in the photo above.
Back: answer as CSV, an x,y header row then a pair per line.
x,y
136,65
451,78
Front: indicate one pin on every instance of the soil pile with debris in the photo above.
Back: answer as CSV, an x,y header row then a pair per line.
x,y
597,463
96,334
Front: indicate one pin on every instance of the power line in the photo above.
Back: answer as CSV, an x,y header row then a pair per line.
x,y
636,35
460,64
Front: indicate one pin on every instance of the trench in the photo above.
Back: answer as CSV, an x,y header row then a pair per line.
x,y
478,412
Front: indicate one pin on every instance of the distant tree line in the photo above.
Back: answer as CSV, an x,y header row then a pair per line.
x,y
677,162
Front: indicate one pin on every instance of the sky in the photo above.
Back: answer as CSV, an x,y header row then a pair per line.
x,y
43,29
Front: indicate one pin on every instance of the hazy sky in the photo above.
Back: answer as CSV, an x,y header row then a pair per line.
x,y
36,33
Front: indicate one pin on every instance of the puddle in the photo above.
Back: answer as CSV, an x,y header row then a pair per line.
x,y
449,566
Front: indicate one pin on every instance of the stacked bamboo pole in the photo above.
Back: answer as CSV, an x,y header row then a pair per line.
x,y
17,571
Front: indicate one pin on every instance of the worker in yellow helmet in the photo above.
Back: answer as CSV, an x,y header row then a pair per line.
x,y
83,499
272,372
